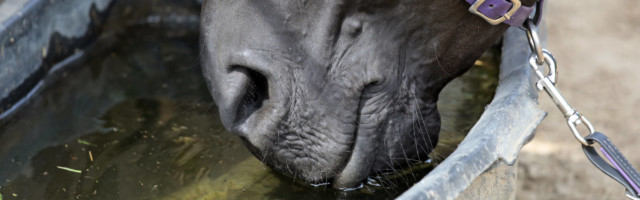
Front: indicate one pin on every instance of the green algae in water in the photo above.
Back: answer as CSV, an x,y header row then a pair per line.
x,y
134,113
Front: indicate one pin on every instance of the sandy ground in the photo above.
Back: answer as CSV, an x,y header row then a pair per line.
x,y
597,44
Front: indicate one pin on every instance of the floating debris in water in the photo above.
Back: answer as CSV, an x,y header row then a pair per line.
x,y
90,157
85,142
69,169
178,129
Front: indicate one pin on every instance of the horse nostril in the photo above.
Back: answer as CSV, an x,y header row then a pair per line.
x,y
256,92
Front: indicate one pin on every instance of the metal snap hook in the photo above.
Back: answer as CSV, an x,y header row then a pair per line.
x,y
550,61
547,82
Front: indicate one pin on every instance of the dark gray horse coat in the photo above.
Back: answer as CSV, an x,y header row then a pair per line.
x,y
337,90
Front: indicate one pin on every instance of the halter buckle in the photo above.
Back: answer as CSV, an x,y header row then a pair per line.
x,y
474,9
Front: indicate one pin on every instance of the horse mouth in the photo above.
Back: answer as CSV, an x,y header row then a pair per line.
x,y
360,161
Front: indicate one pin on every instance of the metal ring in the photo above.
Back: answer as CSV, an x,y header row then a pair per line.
x,y
574,120
534,40
630,196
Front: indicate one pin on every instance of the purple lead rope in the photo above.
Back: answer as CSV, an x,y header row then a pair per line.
x,y
624,174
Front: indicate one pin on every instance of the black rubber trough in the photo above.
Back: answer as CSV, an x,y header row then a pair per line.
x,y
37,34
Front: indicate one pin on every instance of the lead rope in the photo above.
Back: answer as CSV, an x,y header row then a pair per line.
x,y
617,166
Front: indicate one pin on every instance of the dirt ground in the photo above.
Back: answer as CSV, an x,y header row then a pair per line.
x,y
597,44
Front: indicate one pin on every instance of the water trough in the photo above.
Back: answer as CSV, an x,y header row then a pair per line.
x,y
35,35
